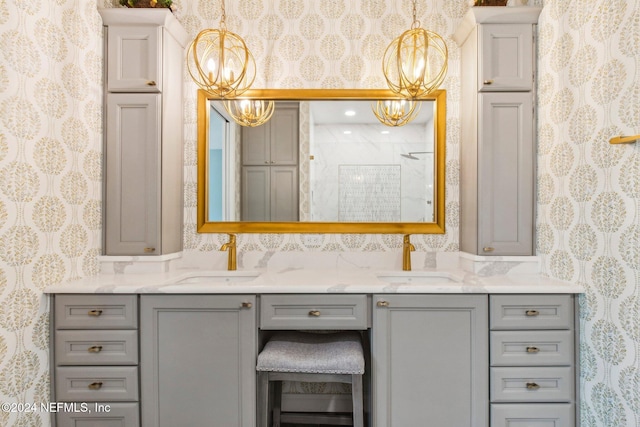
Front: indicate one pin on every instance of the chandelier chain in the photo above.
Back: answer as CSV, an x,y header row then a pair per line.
x,y
415,24
223,16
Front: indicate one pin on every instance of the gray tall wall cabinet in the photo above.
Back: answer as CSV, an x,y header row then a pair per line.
x,y
144,56
498,133
270,167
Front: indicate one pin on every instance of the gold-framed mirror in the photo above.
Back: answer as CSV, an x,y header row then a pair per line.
x,y
221,185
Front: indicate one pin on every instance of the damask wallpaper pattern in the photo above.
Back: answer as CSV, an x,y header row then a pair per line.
x,y
588,191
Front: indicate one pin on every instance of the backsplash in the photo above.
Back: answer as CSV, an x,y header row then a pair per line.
x,y
589,191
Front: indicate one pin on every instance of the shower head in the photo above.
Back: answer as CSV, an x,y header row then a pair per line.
x,y
411,154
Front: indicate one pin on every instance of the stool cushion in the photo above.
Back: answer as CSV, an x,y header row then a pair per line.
x,y
333,353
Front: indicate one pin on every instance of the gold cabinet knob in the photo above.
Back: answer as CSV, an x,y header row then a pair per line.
x,y
382,303
488,249
95,349
94,313
532,313
532,386
149,250
488,82
533,350
151,83
247,305
95,385
314,313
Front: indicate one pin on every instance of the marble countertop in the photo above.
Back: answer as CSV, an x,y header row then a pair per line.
x,y
330,274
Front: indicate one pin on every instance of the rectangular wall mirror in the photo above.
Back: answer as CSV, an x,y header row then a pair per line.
x,y
323,164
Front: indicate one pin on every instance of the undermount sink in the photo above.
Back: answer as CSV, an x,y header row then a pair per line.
x,y
418,277
217,277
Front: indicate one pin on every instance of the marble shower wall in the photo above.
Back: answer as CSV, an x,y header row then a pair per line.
x,y
589,191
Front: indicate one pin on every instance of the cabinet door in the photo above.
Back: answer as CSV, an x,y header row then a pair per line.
x,y
284,135
132,203
429,360
255,145
134,58
270,193
284,193
506,174
256,189
276,142
506,57
198,360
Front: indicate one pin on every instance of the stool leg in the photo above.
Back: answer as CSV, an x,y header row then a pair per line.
x,y
356,396
277,403
263,399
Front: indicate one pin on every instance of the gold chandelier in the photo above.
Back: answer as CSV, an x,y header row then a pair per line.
x,y
395,112
220,62
249,112
415,63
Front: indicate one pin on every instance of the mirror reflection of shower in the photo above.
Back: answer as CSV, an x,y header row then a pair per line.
x,y
411,156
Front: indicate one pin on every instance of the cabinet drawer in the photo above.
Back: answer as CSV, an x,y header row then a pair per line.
x,y
532,384
96,311
118,415
97,384
86,347
531,312
533,415
531,348
313,312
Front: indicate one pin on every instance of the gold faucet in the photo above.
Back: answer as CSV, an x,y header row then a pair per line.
x,y
407,248
231,247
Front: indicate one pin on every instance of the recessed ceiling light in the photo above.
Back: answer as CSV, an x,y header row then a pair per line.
x,y
347,132
350,113
385,132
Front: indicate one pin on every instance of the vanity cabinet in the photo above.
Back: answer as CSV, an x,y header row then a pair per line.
x,y
429,360
532,360
498,134
270,167
143,135
95,348
198,360
446,359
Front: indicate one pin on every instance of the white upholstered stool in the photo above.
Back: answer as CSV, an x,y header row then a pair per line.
x,y
310,357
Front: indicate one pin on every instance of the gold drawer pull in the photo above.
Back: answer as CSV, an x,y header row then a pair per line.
x,y
314,313
149,250
532,313
382,303
533,350
488,82
95,349
94,313
532,386
488,249
151,83
95,386
247,305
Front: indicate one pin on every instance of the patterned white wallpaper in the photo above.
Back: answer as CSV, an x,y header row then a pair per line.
x,y
50,178
589,192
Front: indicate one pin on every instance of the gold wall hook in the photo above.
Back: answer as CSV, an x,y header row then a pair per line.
x,y
624,139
